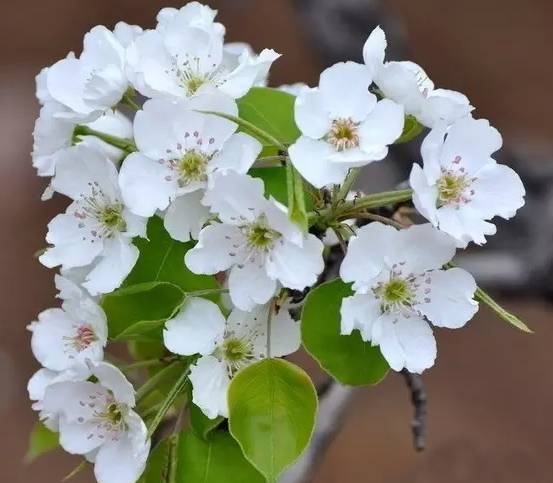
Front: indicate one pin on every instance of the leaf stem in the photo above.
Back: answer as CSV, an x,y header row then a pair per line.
x,y
148,363
126,145
168,402
507,316
256,131
353,173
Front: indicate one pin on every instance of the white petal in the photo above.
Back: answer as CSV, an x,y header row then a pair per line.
x,y
431,151
382,127
425,196
310,158
134,225
66,397
449,303
374,49
249,284
444,106
196,329
285,334
118,259
121,461
375,239
359,312
145,186
278,219
345,91
400,84
113,379
210,381
185,216
74,436
296,267
238,154
464,224
473,140
406,343
499,191
38,383
78,167
311,116
66,84
235,197
69,250
421,248
218,248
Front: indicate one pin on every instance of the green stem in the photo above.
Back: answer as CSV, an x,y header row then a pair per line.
x,y
349,209
512,319
168,402
353,173
209,291
252,128
154,381
126,145
148,363
128,99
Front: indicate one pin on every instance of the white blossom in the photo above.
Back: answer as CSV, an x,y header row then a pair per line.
x,y
461,186
408,84
343,125
256,241
96,228
400,288
96,420
91,84
184,56
68,336
226,345
179,152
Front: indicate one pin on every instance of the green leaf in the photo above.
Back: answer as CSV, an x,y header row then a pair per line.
x,y
160,462
272,411
41,441
141,310
217,460
347,358
296,201
201,424
411,129
502,313
272,111
275,182
162,260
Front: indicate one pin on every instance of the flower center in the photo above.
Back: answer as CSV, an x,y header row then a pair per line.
x,y
395,294
260,235
235,350
82,339
343,134
192,167
452,187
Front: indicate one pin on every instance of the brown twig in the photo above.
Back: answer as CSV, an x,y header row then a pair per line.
x,y
419,400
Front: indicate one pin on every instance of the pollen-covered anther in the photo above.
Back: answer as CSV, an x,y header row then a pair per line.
x,y
343,134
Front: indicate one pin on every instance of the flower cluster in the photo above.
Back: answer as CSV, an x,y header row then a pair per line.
x,y
148,125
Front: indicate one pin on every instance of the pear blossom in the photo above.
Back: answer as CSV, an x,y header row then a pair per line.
x,y
461,186
184,56
70,335
408,84
226,345
179,151
294,89
401,288
91,84
256,241
96,419
343,125
53,134
96,229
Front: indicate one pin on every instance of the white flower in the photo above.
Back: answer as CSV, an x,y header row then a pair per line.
x,y
226,346
461,186
53,134
96,228
91,84
255,241
68,336
96,420
399,285
179,151
343,125
294,89
407,84
184,56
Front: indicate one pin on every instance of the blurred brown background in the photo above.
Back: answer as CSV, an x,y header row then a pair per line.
x,y
491,394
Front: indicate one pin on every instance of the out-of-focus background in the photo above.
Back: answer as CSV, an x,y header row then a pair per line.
x,y
491,392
